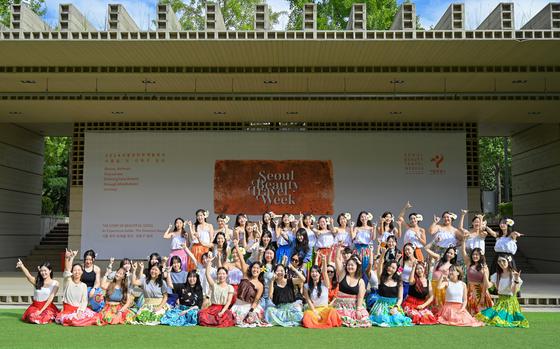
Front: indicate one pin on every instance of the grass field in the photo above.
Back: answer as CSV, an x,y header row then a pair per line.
x,y
544,333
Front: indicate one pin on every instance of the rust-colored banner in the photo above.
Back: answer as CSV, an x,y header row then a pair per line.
x,y
257,186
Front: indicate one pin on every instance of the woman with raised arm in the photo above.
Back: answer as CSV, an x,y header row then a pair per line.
x,y
363,236
269,225
284,237
454,311
506,311
506,242
372,279
387,227
474,237
75,297
178,238
407,262
441,270
445,233
302,248
218,313
349,300
92,278
220,249
316,292
387,311
415,235
153,259
262,245
306,222
42,310
117,298
268,265
175,279
343,233
222,220
155,295
478,282
190,301
239,230
420,297
286,311
325,240
247,309
201,270
201,235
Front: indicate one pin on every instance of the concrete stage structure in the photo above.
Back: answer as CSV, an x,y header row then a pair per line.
x,y
495,80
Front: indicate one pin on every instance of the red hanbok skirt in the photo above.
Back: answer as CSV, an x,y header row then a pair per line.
x,y
46,316
209,317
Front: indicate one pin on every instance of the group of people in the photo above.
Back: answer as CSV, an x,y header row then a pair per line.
x,y
288,270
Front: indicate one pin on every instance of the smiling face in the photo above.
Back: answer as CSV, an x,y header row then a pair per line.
x,y
343,221
315,275
192,280
222,276
220,240
266,218
351,267
154,260
268,256
388,218
242,220
391,268
476,223
200,217
503,264
447,220
221,223
77,272
179,224
363,219
300,237
322,223
249,228
88,262
127,265
450,254
413,220
391,243
266,239
453,274
408,251
154,272
475,256
120,274
286,219
280,272
420,270
503,225
176,265
255,270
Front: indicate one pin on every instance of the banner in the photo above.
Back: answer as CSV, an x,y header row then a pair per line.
x,y
137,183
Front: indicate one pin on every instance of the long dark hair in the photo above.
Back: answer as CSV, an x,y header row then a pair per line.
x,y
197,286
443,259
124,288
339,217
250,268
359,222
196,223
176,259
273,262
383,224
311,284
123,262
237,220
183,231
356,260
305,216
385,274
282,224
508,230
159,279
334,280
224,246
418,284
90,253
405,257
267,233
272,225
302,247
481,260
39,281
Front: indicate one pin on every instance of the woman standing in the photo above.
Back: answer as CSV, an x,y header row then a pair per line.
x,y
415,235
286,311
269,225
325,240
302,248
117,298
506,312
343,233
178,238
42,310
220,249
387,227
349,300
269,264
420,296
190,301
306,222
441,270
387,311
222,221
407,263
454,311
316,293
478,297
284,238
474,238
364,235
239,229
506,242
218,313
446,235
155,296
201,235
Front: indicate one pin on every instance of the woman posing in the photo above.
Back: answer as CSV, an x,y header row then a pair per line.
x,y
441,270
92,278
478,297
343,233
284,237
415,235
306,222
155,295
175,279
316,293
407,264
269,264
325,240
286,311
269,225
302,248
454,311
201,235
220,249
218,313
263,244
506,312
364,235
117,298
75,297
178,238
446,234
42,310
239,230
506,242
391,250
387,228
387,311
222,220
372,279
474,237
420,296
349,300
189,303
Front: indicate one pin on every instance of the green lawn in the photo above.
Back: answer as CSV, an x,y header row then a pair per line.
x,y
544,333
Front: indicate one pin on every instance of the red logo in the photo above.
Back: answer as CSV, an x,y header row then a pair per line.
x,y
437,160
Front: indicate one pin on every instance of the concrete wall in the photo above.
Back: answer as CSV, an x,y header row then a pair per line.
x,y
21,181
536,194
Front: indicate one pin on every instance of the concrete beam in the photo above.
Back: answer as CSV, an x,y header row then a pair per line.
x,y
547,18
499,19
357,19
214,18
118,19
262,21
405,19
71,19
310,17
166,18
24,19
452,19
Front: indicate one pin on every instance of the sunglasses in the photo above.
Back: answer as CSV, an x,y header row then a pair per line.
x,y
330,271
295,260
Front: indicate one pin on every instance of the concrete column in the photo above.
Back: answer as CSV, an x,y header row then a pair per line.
x,y
405,19
118,19
452,19
499,19
214,18
72,20
357,19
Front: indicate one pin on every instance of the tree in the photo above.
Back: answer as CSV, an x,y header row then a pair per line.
x,y
334,14
55,176
38,6
238,14
491,160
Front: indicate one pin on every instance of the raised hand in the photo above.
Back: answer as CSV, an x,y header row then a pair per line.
x,y
464,212
408,205
68,253
436,219
135,266
19,264
170,227
142,265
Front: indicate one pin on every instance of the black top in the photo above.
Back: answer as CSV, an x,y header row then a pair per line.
x,y
412,291
190,296
391,254
88,278
284,295
345,288
388,292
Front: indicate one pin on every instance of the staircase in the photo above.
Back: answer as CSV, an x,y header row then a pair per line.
x,y
51,249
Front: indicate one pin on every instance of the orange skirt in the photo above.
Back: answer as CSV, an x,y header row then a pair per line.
x,y
439,295
328,317
418,254
197,250
451,314
327,252
478,299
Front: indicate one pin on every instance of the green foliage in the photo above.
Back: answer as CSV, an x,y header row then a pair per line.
x,y
505,209
333,14
238,14
55,176
491,160
38,6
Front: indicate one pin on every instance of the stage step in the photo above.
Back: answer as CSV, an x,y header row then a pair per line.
x,y
51,248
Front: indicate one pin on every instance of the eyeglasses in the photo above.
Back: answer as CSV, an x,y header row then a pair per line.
x,y
330,271
295,260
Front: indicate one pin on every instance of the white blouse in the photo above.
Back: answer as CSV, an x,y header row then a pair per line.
x,y
42,294
504,288
411,237
363,236
447,239
506,245
325,240
454,292
322,301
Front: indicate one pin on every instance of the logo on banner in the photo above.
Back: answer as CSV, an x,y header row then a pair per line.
x,y
437,160
413,163
274,188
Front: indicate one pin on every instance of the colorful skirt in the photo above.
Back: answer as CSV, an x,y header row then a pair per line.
x,y
351,316
181,316
33,316
181,254
197,250
284,250
285,315
439,295
328,317
110,315
362,250
245,318
150,313
380,314
418,316
97,301
371,298
505,313
451,314
477,298
327,252
69,316
210,317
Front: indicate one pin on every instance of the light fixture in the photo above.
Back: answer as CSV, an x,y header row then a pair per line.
x,y
397,81
219,113
148,81
534,113
519,81
28,81
292,112
270,82
117,112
